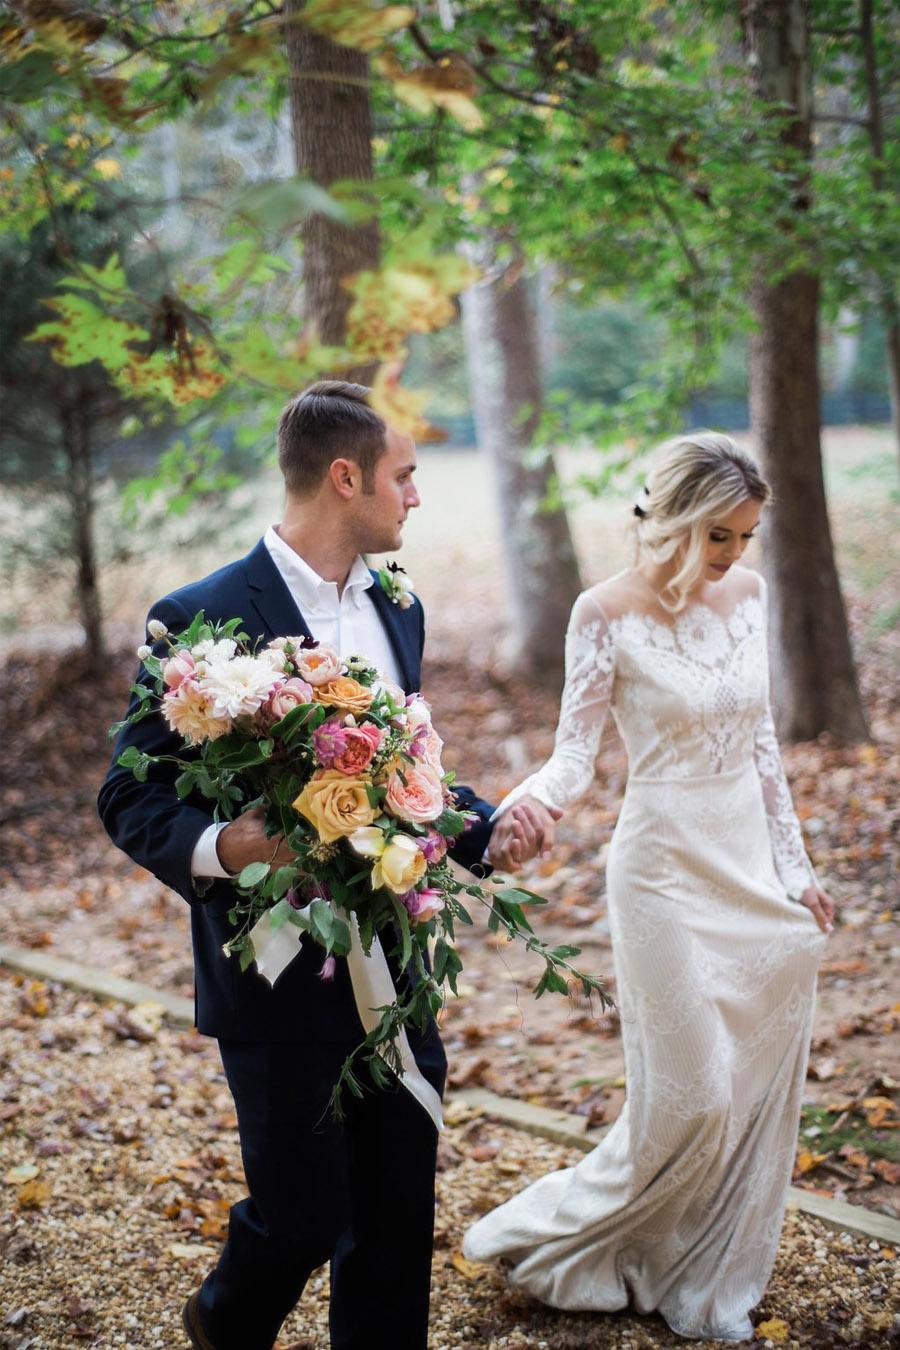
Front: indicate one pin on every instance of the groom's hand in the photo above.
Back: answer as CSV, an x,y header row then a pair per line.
x,y
521,832
245,841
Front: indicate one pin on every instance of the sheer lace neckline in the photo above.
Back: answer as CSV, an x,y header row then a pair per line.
x,y
647,607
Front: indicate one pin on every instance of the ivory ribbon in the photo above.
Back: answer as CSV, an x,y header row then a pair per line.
x,y
373,987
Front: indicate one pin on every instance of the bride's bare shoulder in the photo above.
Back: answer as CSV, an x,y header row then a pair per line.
x,y
617,595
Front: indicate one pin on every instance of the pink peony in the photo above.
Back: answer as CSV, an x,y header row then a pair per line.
x,y
433,845
191,712
423,905
290,696
360,746
178,668
427,746
329,741
420,798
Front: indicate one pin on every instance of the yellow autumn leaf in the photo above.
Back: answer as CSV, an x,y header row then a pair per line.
x,y
402,408
448,83
33,1194
775,1329
806,1160
356,23
879,1111
470,1270
108,167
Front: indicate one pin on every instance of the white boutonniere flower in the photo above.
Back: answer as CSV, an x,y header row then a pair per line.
x,y
396,585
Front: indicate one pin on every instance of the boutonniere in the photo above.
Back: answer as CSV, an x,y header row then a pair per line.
x,y
396,585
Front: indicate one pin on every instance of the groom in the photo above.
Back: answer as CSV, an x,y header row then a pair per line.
x,y
360,1196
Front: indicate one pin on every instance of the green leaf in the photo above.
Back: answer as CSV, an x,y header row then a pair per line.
x,y
282,202
253,874
550,980
280,914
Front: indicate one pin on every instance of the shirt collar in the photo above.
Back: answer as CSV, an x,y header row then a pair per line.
x,y
311,591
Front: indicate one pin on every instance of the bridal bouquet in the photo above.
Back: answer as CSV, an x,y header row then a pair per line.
x,y
348,770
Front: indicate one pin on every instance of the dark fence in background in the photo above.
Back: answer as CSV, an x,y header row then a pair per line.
x,y
860,408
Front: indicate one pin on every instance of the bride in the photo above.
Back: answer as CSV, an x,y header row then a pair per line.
x,y
715,916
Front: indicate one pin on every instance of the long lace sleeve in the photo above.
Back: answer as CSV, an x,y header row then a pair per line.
x,y
569,771
791,863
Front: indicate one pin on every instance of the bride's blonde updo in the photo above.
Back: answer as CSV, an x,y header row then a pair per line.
x,y
695,480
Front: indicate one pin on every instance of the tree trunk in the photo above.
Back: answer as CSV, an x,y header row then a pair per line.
x,y
888,294
505,385
76,436
814,681
332,125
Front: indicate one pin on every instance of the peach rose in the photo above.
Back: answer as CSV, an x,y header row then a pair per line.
x,y
335,805
420,799
400,866
345,692
360,745
317,665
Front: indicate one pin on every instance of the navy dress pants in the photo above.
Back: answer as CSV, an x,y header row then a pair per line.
x,y
360,1195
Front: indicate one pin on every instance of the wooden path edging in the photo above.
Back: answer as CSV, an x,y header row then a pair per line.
x,y
559,1126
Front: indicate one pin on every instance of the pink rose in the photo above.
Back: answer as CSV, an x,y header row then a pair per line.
x,y
290,695
329,741
420,798
433,845
178,668
360,745
423,905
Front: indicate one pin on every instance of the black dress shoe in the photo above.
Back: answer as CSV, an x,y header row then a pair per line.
x,y
190,1317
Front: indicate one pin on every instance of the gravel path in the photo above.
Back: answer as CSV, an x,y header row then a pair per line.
x,y
119,1159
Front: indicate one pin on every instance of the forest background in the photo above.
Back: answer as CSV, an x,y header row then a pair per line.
x,y
549,235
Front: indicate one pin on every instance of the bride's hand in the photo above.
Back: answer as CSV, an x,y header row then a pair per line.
x,y
524,830
821,905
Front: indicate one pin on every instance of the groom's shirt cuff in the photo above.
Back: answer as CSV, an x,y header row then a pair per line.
x,y
205,858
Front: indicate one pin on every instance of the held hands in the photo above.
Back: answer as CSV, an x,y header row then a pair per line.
x,y
821,905
523,831
245,841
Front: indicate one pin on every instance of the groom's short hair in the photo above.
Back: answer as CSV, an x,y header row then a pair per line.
x,y
330,420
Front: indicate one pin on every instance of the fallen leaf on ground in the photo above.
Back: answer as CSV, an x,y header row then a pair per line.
x,y
881,1113
775,1329
189,1251
821,1069
854,1155
33,1194
806,1160
888,1171
470,1270
17,1176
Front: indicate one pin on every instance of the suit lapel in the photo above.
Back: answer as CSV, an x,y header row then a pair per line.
x,y
270,596
280,616
399,635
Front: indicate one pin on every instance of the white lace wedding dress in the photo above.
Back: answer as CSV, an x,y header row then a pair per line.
x,y
679,1208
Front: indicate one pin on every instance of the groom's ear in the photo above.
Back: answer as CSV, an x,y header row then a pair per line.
x,y
346,478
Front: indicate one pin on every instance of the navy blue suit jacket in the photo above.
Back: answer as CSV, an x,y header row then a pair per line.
x,y
159,832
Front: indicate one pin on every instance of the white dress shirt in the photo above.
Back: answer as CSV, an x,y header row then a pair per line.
x,y
349,622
